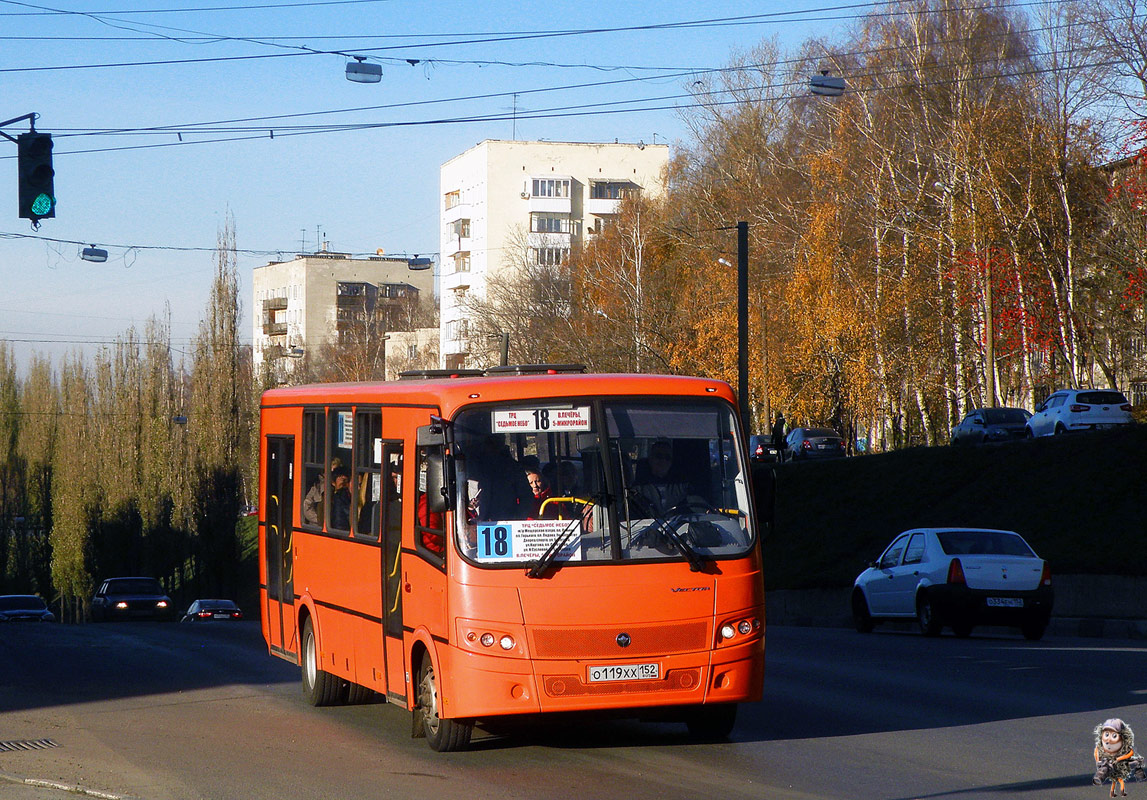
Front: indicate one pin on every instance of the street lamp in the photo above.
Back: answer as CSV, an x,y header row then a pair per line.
x,y
505,338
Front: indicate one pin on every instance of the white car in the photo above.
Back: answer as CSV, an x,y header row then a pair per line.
x,y
1079,410
959,577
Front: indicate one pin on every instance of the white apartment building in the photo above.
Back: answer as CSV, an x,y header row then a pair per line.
x,y
508,202
303,303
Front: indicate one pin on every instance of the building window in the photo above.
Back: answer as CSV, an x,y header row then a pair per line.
x,y
549,223
550,256
551,187
351,289
609,190
412,351
461,228
453,199
462,262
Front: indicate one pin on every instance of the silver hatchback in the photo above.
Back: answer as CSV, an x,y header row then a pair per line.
x,y
1070,410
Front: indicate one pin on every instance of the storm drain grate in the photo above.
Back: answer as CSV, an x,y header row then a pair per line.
x,y
30,744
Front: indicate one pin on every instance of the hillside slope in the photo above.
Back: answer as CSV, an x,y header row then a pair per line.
x,y
1080,500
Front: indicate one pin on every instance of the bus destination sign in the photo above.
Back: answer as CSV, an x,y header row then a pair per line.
x,y
542,420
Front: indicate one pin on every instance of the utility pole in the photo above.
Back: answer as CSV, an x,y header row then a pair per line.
x,y
743,320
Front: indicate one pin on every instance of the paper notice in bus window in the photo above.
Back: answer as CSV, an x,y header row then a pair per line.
x,y
542,420
377,452
525,539
345,429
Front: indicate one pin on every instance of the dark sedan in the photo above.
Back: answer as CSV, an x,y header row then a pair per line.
x,y
805,444
985,425
24,608
131,598
205,610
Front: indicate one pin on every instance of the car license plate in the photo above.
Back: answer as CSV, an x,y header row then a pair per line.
x,y
222,616
1006,602
625,672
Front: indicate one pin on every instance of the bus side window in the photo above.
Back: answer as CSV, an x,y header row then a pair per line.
x,y
429,527
314,473
368,487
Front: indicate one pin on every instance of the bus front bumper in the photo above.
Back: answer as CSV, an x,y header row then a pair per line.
x,y
477,686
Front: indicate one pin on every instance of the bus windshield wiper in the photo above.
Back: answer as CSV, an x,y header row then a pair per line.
x,y
669,531
547,558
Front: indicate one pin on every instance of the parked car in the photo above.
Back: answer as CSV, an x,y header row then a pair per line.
x,y
131,598
991,425
1079,410
803,444
761,448
24,608
959,577
206,610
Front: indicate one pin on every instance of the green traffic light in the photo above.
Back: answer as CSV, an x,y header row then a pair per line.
x,y
42,204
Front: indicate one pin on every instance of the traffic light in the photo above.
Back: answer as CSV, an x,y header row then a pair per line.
x,y
34,164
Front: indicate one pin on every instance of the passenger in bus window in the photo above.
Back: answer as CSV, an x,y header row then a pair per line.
x,y
504,493
313,501
340,499
541,489
658,483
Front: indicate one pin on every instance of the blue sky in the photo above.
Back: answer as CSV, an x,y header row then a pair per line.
x,y
358,189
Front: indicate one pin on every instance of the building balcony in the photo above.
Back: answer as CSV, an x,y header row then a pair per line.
x,y
539,240
275,304
274,329
550,205
460,211
602,206
455,244
455,280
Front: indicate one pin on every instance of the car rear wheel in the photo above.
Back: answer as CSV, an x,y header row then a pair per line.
x,y
962,629
1059,429
861,617
1033,629
320,687
443,735
926,617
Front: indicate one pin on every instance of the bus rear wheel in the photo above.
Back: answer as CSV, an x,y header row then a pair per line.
x,y
712,723
320,687
443,735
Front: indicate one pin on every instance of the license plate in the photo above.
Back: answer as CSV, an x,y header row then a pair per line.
x,y
1006,602
222,616
625,672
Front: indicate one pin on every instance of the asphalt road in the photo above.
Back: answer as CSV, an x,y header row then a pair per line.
x,y
181,712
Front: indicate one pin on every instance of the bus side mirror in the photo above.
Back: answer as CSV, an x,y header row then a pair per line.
x,y
436,494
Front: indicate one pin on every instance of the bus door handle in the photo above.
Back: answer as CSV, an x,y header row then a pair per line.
x,y
405,583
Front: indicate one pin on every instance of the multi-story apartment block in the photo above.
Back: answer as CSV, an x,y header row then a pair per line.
x,y
507,203
318,297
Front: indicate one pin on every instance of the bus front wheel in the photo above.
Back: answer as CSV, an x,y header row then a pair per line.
x,y
320,687
712,723
443,735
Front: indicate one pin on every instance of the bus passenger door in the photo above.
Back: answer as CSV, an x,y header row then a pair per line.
x,y
393,505
279,523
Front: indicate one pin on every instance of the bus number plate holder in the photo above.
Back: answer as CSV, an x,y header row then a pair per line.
x,y
625,672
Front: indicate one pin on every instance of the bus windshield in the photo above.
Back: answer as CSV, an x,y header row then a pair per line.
x,y
590,481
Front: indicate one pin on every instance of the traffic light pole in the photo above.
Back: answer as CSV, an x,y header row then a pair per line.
x,y
31,124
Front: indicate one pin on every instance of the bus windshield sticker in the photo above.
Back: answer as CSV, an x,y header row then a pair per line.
x,y
524,540
542,420
377,452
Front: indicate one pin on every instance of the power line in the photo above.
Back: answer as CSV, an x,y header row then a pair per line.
x,y
51,12
752,19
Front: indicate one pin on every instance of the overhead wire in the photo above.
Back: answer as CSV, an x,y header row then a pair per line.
x,y
752,19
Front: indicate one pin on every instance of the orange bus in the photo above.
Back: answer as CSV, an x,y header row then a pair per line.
x,y
534,539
